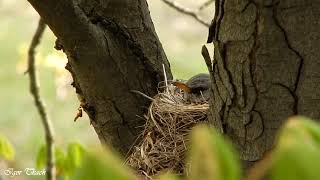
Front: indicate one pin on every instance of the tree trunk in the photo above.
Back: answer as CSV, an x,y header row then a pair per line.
x,y
112,48
267,69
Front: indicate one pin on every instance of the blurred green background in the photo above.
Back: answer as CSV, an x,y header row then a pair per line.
x,y
181,36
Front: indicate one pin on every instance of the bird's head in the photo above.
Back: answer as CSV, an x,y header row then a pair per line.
x,y
182,86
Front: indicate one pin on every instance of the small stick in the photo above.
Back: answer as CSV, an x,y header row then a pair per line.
x,y
165,78
34,89
155,122
206,4
186,11
142,94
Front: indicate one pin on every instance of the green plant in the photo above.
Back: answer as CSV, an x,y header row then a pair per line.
x,y
211,156
297,153
103,164
6,149
296,156
66,162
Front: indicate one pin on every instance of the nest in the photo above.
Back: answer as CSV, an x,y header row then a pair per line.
x,y
165,137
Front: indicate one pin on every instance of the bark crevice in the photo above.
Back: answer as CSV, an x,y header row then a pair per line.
x,y
296,52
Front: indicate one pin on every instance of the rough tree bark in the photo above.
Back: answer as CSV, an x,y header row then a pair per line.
x,y
267,68
112,48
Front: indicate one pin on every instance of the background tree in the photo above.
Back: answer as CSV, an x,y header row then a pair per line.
x,y
265,65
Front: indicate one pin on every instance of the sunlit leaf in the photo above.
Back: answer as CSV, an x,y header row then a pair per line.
x,y
297,153
211,156
58,156
167,176
41,157
102,165
74,158
6,148
60,159
311,126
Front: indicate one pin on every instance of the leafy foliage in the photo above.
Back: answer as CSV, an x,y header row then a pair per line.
x,y
103,165
74,158
212,157
66,163
296,156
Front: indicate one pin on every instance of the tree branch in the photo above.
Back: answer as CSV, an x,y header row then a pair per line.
x,y
206,4
66,20
186,11
207,59
34,89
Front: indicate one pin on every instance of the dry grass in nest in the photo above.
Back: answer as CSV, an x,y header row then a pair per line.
x,y
165,137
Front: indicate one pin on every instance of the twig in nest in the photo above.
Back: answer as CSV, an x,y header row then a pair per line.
x,y
165,77
34,89
142,94
186,11
154,121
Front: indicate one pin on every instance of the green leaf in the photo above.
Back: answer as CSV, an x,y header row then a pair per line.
x,y
310,126
6,148
41,157
74,157
59,157
102,165
297,153
211,156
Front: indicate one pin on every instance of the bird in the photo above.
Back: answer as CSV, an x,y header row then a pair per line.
x,y
196,89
